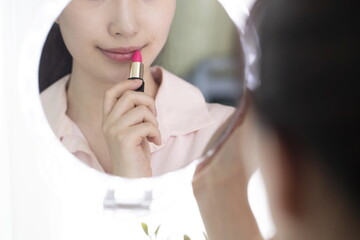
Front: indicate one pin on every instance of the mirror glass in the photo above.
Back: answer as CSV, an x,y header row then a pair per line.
x,y
192,70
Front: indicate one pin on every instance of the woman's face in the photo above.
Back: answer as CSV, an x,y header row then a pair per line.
x,y
93,30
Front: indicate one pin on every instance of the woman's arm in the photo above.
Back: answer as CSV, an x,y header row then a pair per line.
x,y
220,187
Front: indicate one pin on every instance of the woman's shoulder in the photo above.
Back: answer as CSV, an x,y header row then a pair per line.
x,y
58,87
220,112
54,100
220,108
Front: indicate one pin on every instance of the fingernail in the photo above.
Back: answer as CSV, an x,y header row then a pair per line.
x,y
138,81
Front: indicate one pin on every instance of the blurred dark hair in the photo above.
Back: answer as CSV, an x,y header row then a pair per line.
x,y
310,83
56,61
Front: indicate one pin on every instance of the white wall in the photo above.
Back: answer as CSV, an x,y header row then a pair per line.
x,y
5,207
24,206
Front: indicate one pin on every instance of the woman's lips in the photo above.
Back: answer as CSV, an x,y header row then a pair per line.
x,y
120,54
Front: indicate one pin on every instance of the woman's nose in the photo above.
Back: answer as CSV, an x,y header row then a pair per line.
x,y
124,17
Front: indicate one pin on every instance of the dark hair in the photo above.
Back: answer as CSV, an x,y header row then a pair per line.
x,y
56,61
310,85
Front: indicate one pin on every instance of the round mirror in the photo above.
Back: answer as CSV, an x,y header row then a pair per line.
x,y
82,57
100,116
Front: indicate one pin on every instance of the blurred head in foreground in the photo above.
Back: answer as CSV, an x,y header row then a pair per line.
x,y
308,116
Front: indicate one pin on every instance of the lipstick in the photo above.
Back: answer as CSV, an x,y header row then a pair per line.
x,y
137,69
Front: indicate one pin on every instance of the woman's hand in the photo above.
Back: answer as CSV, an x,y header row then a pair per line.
x,y
129,124
220,187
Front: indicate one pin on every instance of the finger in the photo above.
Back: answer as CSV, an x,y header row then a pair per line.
x,y
156,140
113,94
144,130
129,100
137,115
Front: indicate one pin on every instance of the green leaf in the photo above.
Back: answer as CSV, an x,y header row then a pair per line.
x,y
145,228
157,230
186,237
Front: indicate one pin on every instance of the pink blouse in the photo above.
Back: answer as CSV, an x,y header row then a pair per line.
x,y
186,122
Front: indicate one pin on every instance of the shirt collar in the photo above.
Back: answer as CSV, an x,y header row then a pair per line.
x,y
181,106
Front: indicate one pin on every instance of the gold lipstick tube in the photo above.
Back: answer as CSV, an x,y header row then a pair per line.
x,y
137,72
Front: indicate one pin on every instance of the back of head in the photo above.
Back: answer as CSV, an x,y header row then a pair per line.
x,y
310,84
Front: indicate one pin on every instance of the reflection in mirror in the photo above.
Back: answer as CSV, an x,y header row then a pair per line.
x,y
100,54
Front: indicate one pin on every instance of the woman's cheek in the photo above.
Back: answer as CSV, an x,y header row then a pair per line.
x,y
157,32
161,27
